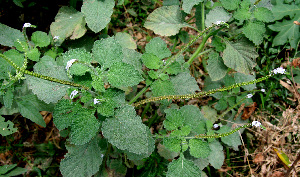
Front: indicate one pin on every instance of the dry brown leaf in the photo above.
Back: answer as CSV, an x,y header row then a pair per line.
x,y
259,158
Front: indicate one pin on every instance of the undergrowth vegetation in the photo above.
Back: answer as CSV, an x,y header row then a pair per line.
x,y
152,88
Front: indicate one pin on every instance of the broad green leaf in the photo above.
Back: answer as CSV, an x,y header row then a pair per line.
x,y
199,148
158,47
6,168
232,140
216,158
201,163
240,77
184,131
263,14
173,144
281,10
29,111
64,112
255,31
123,75
126,131
162,88
192,117
230,4
216,15
82,160
187,5
97,13
133,58
181,81
151,61
221,104
34,54
209,113
68,23
174,119
288,32
165,152
242,14
11,170
8,35
125,40
8,97
171,2
183,168
107,52
240,56
5,67
113,98
6,127
153,74
49,92
98,83
215,67
40,39
166,20
174,68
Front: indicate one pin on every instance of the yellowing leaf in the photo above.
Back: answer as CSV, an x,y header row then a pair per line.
x,y
283,157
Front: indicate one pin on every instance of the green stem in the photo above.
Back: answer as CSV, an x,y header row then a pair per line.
x,y
202,16
138,95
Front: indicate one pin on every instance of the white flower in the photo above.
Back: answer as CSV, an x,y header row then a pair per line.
x,y
74,92
256,124
263,90
249,95
219,22
26,25
96,101
216,125
69,63
279,70
55,37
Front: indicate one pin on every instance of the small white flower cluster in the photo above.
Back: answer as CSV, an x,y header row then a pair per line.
x,y
256,124
96,101
55,37
219,22
263,90
27,25
216,125
69,63
249,95
279,70
73,94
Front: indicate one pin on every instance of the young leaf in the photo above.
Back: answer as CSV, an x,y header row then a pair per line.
x,y
184,168
165,21
40,39
199,148
216,15
107,52
240,56
181,81
151,61
288,32
242,14
97,13
173,144
123,75
8,35
216,157
126,131
158,47
215,67
255,32
82,160
263,14
68,23
230,4
6,128
34,54
49,92
187,5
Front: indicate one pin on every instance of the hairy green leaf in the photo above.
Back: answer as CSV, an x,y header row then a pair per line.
x,y
125,40
82,160
133,58
255,32
240,77
68,23
230,4
184,168
40,39
29,111
34,54
187,5
242,14
192,117
8,35
217,15
215,67
174,119
263,14
151,61
181,81
166,20
123,75
162,88
288,32
107,52
158,47
49,92
240,56
113,99
5,67
97,13
126,131
173,144
216,157
199,148
6,127
232,140
64,112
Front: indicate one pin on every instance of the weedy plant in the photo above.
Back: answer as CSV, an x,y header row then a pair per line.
x,y
91,88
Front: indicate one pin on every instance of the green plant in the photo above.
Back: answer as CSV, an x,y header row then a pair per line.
x,y
87,87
